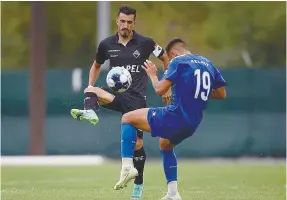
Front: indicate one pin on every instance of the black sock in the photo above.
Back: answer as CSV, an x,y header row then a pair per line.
x,y
91,101
139,162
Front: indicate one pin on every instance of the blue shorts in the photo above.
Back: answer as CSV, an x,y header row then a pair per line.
x,y
168,124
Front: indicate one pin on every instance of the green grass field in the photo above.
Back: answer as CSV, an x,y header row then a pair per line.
x,y
197,181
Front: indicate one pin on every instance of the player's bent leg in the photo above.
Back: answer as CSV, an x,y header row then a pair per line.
x,y
137,118
103,97
170,169
131,121
93,96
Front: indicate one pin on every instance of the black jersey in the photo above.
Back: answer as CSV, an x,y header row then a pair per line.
x,y
132,57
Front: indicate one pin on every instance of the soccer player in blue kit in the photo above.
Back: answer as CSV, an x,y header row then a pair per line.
x,y
194,80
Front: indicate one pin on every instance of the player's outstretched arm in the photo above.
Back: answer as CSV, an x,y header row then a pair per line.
x,y
101,57
160,87
94,73
160,53
219,93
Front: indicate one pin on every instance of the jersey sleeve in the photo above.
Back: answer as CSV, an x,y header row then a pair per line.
x,y
171,72
156,49
218,79
101,55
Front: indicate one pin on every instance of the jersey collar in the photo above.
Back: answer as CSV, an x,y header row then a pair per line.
x,y
135,37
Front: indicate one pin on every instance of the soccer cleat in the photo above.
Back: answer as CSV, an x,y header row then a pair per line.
x,y
127,174
137,192
85,115
168,197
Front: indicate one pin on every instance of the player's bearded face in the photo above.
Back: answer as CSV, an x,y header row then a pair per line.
x,y
125,24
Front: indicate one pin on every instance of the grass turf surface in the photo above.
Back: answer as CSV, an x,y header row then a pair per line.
x,y
197,180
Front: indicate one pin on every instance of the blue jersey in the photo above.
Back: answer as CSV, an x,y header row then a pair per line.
x,y
193,78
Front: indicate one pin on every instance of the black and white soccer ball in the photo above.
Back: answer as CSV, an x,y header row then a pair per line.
x,y
119,79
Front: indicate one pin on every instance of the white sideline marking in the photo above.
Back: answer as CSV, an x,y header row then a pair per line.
x,y
52,160
88,179
11,191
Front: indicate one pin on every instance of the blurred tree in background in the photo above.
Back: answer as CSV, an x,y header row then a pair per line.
x,y
229,33
15,21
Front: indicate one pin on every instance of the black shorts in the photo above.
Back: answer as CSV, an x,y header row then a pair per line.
x,y
124,103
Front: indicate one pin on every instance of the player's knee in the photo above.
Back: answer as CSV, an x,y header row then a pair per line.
x,y
95,90
126,118
164,144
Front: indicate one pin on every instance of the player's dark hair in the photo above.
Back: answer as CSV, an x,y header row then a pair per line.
x,y
128,10
172,43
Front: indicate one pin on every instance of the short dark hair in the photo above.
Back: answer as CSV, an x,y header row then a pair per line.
x,y
172,43
128,10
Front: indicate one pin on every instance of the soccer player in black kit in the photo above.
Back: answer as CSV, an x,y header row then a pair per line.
x,y
128,49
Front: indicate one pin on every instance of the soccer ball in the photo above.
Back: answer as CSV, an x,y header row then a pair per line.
x,y
119,79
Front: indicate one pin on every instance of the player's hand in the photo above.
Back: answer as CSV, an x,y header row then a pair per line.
x,y
150,68
166,98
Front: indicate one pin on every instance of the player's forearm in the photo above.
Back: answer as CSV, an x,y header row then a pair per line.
x,y
94,73
159,87
154,81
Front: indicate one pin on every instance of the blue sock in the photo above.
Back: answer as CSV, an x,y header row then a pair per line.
x,y
128,140
169,165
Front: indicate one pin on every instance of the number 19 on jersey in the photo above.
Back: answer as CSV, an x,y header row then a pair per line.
x,y
202,79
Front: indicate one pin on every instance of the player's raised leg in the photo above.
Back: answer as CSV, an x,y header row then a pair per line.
x,y
170,169
94,96
131,121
